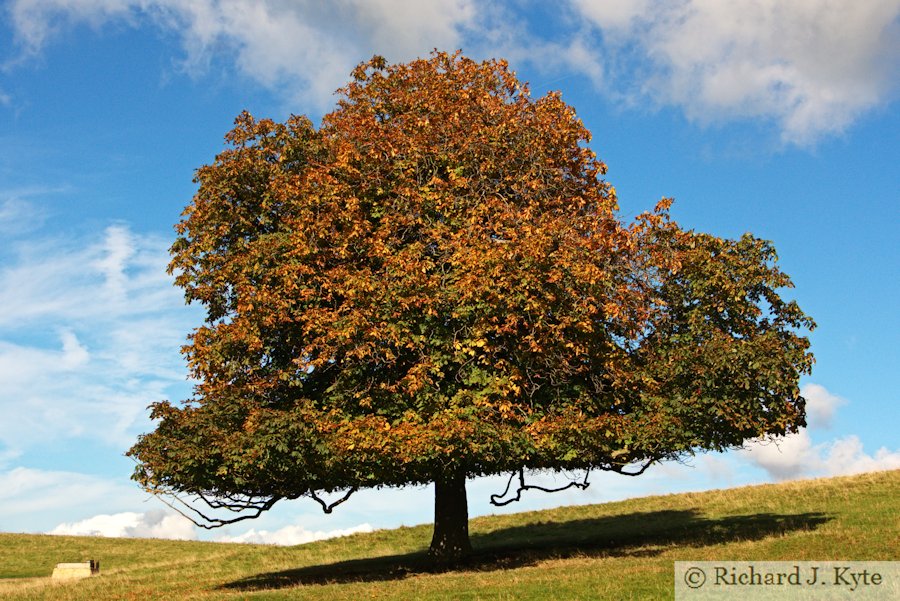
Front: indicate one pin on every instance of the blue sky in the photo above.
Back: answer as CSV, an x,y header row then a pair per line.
x,y
774,117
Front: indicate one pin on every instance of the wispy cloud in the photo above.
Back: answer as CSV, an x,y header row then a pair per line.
x,y
77,279
89,336
27,493
118,248
19,215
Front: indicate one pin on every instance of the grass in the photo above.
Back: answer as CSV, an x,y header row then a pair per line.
x,y
622,550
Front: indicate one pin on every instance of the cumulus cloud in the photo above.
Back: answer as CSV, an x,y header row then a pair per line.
x,y
796,456
812,66
792,456
820,405
291,535
166,524
152,524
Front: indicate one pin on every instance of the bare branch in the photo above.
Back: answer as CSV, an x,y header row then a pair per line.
x,y
328,508
210,523
620,469
233,503
495,499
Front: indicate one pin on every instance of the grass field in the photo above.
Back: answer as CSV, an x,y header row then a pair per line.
x,y
622,550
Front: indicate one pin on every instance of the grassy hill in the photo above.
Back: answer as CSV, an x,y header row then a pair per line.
x,y
622,550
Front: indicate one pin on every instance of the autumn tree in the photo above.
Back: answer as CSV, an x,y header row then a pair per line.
x,y
435,285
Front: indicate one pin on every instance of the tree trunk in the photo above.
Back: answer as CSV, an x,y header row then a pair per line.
x,y
451,519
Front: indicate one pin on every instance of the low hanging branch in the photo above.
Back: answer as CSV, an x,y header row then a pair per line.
x,y
327,508
238,504
620,469
209,522
495,499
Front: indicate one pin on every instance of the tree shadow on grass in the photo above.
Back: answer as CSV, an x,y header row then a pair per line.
x,y
642,534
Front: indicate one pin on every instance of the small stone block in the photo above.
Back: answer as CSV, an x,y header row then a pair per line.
x,y
68,571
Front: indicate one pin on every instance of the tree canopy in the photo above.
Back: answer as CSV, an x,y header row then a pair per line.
x,y
435,284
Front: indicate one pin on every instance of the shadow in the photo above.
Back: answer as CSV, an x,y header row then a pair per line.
x,y
642,534
623,535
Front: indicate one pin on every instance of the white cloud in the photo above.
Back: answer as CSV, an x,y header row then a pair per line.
x,y
846,456
18,215
36,21
411,27
89,336
118,248
291,535
303,46
556,60
813,66
86,279
74,355
796,456
26,492
13,212
152,524
792,456
820,405
613,15
7,456
33,500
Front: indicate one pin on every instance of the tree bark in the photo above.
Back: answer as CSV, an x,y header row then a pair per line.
x,y
450,541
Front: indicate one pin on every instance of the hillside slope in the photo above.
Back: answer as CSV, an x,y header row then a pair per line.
x,y
622,550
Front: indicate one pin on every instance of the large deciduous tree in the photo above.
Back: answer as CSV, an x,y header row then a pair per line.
x,y
434,285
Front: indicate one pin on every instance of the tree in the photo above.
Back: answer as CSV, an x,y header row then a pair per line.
x,y
435,285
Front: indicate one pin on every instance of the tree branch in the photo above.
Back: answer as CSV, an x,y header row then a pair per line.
x,y
620,469
328,508
235,504
209,523
495,499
